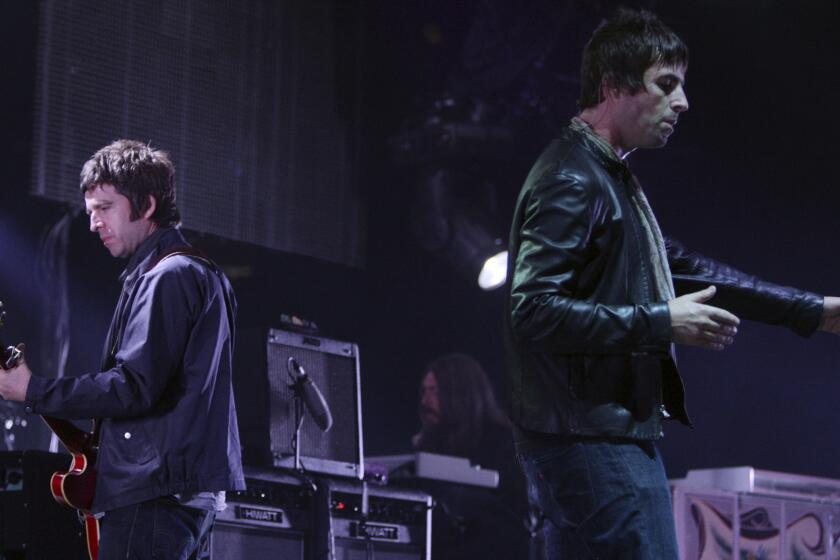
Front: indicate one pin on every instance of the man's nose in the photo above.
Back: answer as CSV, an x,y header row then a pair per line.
x,y
680,102
95,223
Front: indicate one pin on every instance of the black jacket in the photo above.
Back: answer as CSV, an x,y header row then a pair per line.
x,y
588,344
164,392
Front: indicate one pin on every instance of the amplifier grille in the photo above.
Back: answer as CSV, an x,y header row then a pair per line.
x,y
333,367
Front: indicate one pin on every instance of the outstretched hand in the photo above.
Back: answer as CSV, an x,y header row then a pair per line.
x,y
831,315
15,381
697,324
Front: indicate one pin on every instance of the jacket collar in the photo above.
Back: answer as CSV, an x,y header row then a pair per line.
x,y
580,131
150,247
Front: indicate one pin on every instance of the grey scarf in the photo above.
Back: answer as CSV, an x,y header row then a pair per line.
x,y
658,257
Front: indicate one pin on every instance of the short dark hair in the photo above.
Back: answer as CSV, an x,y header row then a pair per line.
x,y
621,49
468,407
136,170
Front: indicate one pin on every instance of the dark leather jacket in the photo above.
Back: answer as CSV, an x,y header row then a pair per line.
x,y
589,347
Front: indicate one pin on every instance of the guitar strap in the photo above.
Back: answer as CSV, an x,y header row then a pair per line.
x,y
193,253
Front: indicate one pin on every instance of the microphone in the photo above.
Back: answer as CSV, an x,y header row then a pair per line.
x,y
312,397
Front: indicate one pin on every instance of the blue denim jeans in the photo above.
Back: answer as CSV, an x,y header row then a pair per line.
x,y
602,498
159,529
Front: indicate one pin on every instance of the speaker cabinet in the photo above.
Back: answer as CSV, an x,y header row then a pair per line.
x,y
272,519
236,541
32,524
285,516
265,402
356,521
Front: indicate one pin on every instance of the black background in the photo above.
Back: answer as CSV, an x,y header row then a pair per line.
x,y
748,178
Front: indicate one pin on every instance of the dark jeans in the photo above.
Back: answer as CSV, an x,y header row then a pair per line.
x,y
602,498
159,529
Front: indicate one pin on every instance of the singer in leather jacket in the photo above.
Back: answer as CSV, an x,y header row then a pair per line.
x,y
589,347
593,311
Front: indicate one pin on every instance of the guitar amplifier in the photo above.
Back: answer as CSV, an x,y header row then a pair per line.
x,y
360,522
32,524
287,516
271,519
265,402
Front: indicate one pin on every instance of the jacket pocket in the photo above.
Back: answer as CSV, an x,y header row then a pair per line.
x,y
129,442
605,379
646,370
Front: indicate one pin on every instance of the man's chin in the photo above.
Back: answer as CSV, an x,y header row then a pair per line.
x,y
658,142
664,137
116,252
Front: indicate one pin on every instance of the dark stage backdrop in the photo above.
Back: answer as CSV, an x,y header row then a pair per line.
x,y
256,101
748,177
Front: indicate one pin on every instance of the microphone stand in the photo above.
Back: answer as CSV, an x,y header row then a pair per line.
x,y
322,513
300,412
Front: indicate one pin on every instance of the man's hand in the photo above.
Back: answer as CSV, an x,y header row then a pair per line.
x,y
15,381
831,315
696,324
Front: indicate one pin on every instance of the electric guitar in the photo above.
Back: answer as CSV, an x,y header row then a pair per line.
x,y
76,487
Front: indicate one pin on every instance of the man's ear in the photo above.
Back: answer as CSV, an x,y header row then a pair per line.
x,y
149,212
609,91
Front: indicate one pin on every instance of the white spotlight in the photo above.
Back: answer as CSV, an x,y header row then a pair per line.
x,y
494,272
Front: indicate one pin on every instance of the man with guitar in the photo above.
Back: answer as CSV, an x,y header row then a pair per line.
x,y
165,436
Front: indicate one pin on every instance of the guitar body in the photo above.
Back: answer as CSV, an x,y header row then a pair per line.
x,y
91,535
77,486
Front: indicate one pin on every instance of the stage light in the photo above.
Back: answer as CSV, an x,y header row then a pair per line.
x,y
494,272
472,250
448,226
